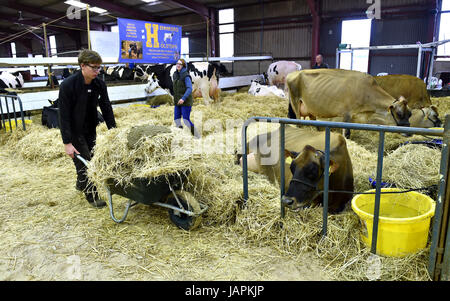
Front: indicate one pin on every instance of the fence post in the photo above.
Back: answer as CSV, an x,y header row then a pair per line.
x,y
326,181
282,168
376,211
442,204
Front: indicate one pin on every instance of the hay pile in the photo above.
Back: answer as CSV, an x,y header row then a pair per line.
x,y
443,105
139,151
132,150
37,143
412,166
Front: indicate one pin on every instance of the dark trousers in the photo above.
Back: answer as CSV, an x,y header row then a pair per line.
x,y
185,112
84,145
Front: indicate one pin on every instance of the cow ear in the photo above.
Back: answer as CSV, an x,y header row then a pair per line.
x,y
434,108
289,154
390,108
333,166
309,148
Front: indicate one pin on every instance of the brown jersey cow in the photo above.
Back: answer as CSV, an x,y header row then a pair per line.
x,y
408,86
353,95
304,175
425,118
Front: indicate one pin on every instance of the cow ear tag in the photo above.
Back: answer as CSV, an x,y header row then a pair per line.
x,y
288,160
333,167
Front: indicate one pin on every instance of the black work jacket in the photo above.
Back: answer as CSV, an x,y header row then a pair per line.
x,y
72,104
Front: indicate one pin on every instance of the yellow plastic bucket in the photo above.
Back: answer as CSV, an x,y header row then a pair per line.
x,y
19,123
404,221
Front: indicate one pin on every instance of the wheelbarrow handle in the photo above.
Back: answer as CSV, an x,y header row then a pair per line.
x,y
79,157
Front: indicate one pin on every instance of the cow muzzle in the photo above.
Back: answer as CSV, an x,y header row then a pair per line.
x,y
292,203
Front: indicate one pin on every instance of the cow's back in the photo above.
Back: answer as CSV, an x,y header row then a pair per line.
x,y
408,86
330,93
278,71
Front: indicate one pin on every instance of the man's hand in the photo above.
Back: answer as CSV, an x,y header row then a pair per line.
x,y
181,101
70,150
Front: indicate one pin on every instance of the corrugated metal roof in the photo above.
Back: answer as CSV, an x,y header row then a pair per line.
x,y
336,5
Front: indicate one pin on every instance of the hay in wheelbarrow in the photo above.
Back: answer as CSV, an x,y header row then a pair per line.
x,y
140,151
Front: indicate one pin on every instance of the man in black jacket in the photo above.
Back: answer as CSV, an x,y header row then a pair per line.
x,y
79,96
319,63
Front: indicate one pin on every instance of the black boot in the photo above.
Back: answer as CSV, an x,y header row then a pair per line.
x,y
79,186
93,198
194,132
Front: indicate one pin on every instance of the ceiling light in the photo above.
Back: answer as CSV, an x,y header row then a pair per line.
x,y
97,10
147,1
80,4
76,3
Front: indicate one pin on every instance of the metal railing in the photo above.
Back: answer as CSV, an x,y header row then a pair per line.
x,y
8,111
382,129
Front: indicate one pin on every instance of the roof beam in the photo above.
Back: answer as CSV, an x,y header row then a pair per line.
x,y
13,19
208,13
51,16
313,6
193,6
121,9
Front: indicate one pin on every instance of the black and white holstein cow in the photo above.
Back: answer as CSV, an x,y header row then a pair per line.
x,y
10,81
204,75
257,89
278,71
117,73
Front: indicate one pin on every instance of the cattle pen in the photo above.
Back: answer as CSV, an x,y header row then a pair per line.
x,y
440,228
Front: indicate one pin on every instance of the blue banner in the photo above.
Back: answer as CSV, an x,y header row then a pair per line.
x,y
148,42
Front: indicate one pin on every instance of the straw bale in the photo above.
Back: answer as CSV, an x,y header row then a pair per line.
x,y
412,166
364,165
37,143
442,104
392,141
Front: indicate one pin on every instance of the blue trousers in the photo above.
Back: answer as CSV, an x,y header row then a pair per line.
x,y
185,112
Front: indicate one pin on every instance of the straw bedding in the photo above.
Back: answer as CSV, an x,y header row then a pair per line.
x,y
146,144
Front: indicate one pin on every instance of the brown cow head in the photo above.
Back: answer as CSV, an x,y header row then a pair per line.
x,y
429,117
307,170
400,111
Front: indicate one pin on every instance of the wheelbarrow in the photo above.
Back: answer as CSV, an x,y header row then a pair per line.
x,y
164,191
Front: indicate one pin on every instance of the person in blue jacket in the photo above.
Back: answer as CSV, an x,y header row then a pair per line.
x,y
182,97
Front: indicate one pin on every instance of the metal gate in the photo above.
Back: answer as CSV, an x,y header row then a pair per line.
x,y
10,108
440,231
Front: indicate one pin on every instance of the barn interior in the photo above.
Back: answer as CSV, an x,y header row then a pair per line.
x,y
48,230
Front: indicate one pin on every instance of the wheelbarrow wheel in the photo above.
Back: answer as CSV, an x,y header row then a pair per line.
x,y
188,202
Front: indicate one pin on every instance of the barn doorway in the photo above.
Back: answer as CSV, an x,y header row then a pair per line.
x,y
356,33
